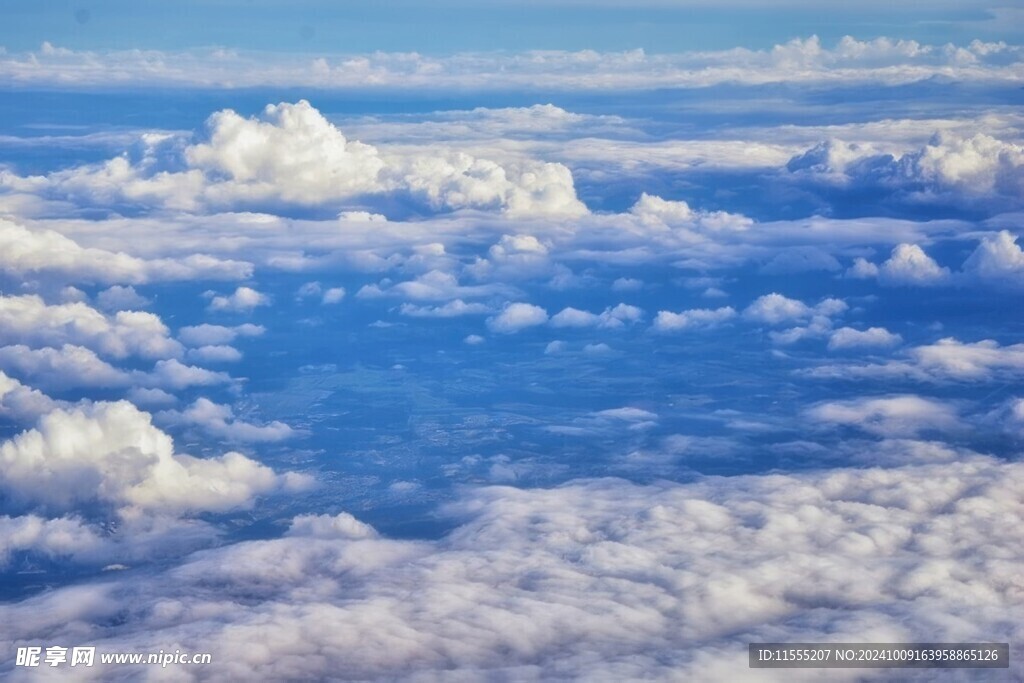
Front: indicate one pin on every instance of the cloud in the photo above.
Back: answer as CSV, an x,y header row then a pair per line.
x,y
892,416
173,374
909,265
220,421
603,578
243,300
775,308
612,317
695,318
29,320
873,337
516,317
66,367
998,260
118,298
950,167
24,251
20,402
452,309
948,359
110,454
219,353
881,61
206,334
291,155
333,295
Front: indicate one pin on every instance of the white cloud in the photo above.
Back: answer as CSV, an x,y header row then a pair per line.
x,y
452,309
333,295
945,360
66,367
474,340
220,421
118,298
243,300
627,284
207,335
603,578
696,318
997,259
291,154
892,416
29,320
882,61
20,402
55,538
517,316
24,251
775,308
110,454
909,265
217,353
173,374
873,337
612,317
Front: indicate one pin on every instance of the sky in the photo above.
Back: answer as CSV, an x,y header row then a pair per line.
x,y
508,341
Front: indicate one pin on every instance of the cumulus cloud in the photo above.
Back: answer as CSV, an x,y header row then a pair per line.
x,y
696,318
948,359
950,167
220,421
112,455
612,317
998,259
873,337
218,353
775,308
29,320
118,298
909,265
290,154
242,300
452,309
883,60
603,578
20,402
68,366
214,335
24,252
891,416
517,316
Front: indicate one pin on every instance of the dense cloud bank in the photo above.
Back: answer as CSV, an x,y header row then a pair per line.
x,y
596,579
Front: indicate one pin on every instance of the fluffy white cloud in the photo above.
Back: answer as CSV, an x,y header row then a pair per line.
x,y
112,455
997,259
909,265
612,317
696,318
882,60
946,359
214,335
517,316
242,300
20,402
216,353
333,295
290,151
775,308
950,165
29,320
66,367
220,421
452,309
54,538
291,154
24,251
604,579
657,213
891,416
118,298
873,337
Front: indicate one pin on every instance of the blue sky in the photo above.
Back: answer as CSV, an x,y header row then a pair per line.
x,y
447,26
533,340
